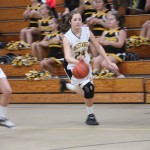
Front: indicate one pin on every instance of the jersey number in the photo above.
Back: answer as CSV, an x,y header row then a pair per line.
x,y
77,54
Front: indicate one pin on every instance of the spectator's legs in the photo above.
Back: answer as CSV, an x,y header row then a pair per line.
x,y
47,63
43,49
29,34
114,60
148,31
144,30
23,34
34,50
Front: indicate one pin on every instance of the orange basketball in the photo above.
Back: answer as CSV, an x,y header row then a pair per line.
x,y
81,70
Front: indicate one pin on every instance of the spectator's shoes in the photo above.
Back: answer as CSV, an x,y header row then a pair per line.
x,y
91,120
121,76
5,122
63,85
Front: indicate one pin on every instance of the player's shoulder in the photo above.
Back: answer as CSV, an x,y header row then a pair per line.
x,y
68,32
85,29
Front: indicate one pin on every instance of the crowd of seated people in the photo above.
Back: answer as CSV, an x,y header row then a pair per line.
x,y
96,14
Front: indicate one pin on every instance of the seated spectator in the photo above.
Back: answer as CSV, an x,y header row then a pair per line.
x,y
44,27
32,14
113,41
145,31
70,5
44,22
52,5
52,41
97,22
121,6
86,8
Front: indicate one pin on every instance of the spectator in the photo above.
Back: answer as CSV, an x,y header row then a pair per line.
x,y
98,21
32,14
122,5
44,28
113,41
54,42
86,8
52,4
70,5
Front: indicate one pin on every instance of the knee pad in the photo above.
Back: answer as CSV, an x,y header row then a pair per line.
x,y
88,90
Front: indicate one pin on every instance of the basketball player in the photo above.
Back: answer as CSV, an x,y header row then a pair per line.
x,y
76,44
6,91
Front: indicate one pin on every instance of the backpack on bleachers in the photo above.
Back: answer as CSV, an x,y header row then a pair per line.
x,y
130,56
2,45
7,59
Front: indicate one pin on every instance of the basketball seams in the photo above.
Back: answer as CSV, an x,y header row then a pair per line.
x,y
81,70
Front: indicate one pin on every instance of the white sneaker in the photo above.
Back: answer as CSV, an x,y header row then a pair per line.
x,y
5,122
121,76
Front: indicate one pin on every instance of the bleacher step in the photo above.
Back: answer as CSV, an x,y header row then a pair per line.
x,y
75,98
129,85
129,67
147,89
128,90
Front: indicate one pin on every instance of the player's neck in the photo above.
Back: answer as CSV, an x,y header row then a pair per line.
x,y
77,32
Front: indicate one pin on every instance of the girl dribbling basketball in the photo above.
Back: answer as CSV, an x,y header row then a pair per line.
x,y
76,45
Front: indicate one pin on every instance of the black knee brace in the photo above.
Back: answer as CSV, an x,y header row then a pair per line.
x,y
88,90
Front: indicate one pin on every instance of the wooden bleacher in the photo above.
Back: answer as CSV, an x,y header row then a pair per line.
x,y
106,91
12,27
131,32
133,89
136,21
133,24
147,89
140,67
143,51
17,52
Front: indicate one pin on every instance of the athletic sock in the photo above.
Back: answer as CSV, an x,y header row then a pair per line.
x,y
3,111
90,110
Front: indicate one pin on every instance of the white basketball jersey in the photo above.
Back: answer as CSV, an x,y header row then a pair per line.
x,y
79,45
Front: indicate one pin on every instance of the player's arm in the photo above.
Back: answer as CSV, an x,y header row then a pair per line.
x,y
81,6
101,51
67,52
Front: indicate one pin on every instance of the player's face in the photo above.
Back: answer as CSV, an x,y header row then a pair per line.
x,y
76,21
99,4
111,21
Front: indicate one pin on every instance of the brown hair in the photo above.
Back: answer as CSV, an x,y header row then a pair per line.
x,y
119,18
66,21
